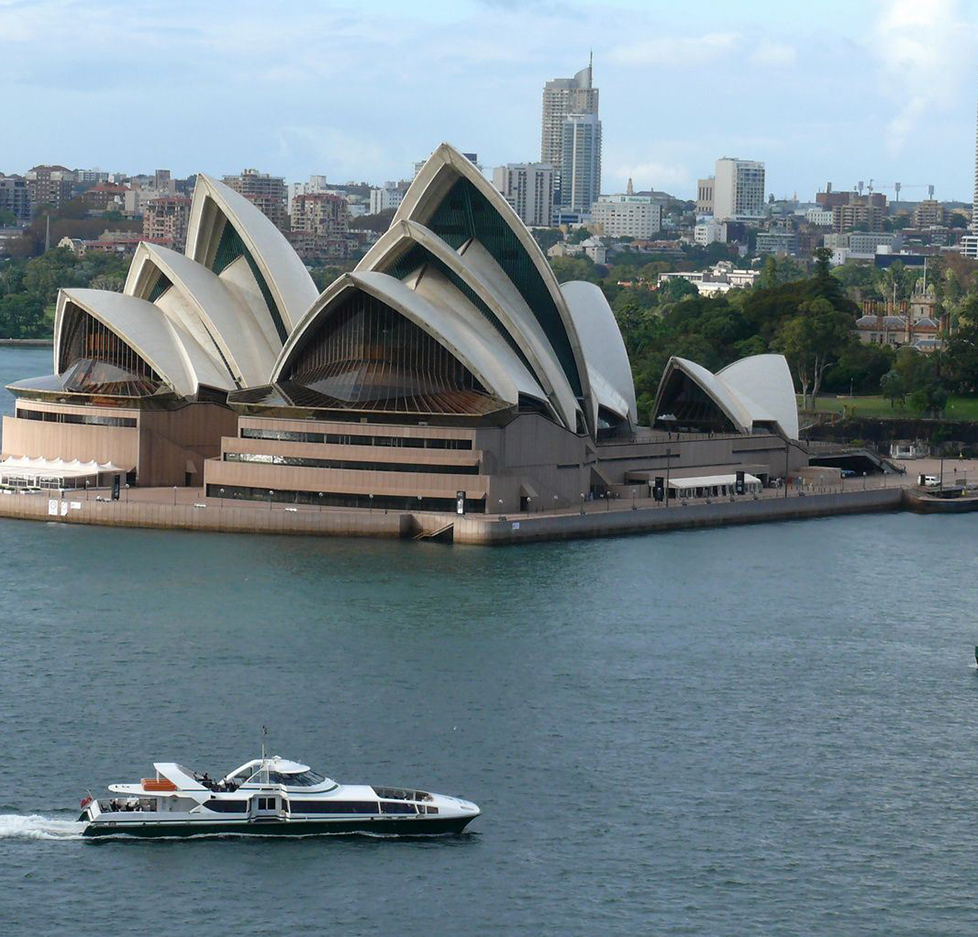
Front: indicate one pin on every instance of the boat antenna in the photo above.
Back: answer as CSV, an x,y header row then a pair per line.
x,y
264,732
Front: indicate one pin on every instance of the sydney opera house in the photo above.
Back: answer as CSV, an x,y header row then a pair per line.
x,y
449,371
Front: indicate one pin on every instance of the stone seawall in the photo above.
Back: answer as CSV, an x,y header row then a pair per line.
x,y
472,529
248,520
648,520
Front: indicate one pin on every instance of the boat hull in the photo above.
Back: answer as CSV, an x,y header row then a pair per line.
x,y
433,826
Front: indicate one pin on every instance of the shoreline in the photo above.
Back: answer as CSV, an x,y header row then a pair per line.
x,y
486,530
27,342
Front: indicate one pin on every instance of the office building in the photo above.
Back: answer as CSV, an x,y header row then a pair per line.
x,y
561,98
637,216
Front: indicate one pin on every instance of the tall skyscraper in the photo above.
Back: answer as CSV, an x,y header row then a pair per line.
x,y
738,190
974,199
580,164
561,98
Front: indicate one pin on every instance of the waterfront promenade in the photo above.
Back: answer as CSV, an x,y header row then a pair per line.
x,y
189,509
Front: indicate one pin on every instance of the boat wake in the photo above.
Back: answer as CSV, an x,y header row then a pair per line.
x,y
34,826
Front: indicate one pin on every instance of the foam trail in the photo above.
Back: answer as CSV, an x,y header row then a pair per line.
x,y
34,826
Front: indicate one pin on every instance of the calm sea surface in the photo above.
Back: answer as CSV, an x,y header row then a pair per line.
x,y
763,730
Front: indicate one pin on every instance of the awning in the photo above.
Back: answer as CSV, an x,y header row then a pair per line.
x,y
24,467
708,481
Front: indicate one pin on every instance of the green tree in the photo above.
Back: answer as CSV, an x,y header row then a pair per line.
x,y
812,340
892,386
21,316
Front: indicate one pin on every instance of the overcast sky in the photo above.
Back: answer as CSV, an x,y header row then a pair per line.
x,y
838,90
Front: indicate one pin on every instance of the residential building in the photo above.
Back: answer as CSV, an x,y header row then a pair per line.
x,y
49,185
90,176
820,217
777,241
319,226
637,216
928,212
968,245
386,197
106,196
738,191
529,188
266,191
580,166
710,232
165,220
858,213
15,197
704,195
561,98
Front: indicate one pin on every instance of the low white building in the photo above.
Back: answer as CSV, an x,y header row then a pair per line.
x,y
636,216
386,197
720,278
819,217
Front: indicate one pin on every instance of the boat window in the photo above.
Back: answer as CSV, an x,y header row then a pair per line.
x,y
396,807
226,806
333,806
396,793
305,779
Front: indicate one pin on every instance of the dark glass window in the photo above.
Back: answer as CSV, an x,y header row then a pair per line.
x,y
367,356
94,360
51,416
227,806
305,462
305,779
356,439
387,806
346,500
334,806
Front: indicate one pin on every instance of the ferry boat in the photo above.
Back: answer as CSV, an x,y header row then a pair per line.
x,y
268,796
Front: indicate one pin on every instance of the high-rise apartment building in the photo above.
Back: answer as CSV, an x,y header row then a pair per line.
x,y
529,188
580,164
269,193
165,220
320,223
49,185
738,190
928,212
859,213
14,197
561,98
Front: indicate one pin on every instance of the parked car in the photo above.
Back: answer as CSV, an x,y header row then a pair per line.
x,y
848,473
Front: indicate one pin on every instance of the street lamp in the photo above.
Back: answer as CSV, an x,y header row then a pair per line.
x,y
270,493
371,499
174,495
222,497
582,504
320,502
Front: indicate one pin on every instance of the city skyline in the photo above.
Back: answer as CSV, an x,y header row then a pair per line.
x,y
887,93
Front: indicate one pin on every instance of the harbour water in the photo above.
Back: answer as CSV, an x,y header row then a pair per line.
x,y
752,730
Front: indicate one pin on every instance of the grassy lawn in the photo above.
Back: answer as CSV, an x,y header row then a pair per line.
x,y
958,408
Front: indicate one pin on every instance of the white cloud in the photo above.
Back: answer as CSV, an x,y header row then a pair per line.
x,y
924,49
652,175
774,54
670,51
